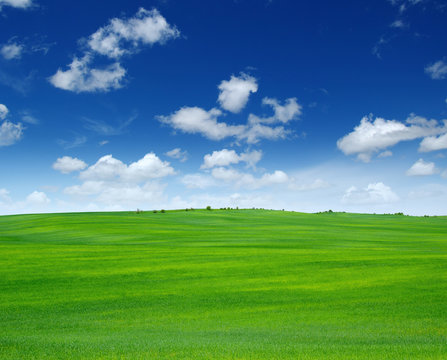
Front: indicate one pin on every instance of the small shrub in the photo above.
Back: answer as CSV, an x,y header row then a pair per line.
x,y
155,211
162,211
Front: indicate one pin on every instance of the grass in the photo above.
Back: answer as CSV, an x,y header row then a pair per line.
x,y
223,284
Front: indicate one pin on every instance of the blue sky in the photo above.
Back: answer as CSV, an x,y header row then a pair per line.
x,y
306,106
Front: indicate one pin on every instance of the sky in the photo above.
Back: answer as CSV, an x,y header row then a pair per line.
x,y
296,105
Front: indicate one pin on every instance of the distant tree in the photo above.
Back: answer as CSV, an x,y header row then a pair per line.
x,y
155,211
162,211
208,207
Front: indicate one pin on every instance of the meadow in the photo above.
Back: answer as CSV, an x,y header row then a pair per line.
x,y
223,284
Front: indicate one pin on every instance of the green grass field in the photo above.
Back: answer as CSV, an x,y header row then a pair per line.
x,y
231,284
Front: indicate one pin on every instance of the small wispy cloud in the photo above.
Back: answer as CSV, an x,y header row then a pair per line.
x,y
77,141
178,154
437,70
106,129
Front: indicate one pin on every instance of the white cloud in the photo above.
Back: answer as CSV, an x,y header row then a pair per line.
x,y
227,157
86,188
277,177
404,4
256,132
372,136
22,4
196,120
37,198
11,51
291,110
251,158
10,133
107,168
123,36
433,143
118,38
437,70
398,24
240,179
4,196
78,140
198,181
119,195
3,111
422,168
149,167
112,182
132,194
234,93
220,158
178,154
28,118
67,164
385,154
81,78
375,193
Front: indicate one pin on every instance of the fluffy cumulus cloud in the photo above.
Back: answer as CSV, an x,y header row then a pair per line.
x,y
67,164
227,157
107,168
80,77
375,193
194,120
3,111
437,70
124,36
422,168
373,136
112,182
433,143
178,154
120,37
234,93
37,198
11,51
21,4
10,133
291,110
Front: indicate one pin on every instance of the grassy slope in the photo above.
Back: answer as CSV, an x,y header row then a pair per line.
x,y
223,284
